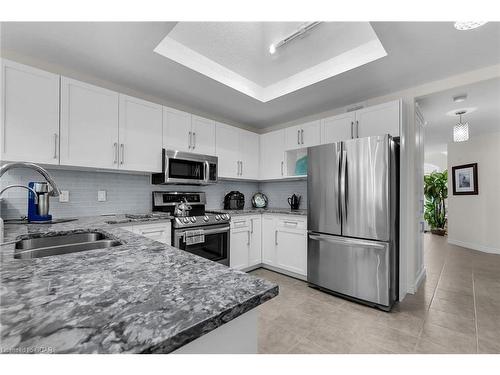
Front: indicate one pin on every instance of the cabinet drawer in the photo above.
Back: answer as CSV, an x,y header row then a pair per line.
x,y
292,223
240,222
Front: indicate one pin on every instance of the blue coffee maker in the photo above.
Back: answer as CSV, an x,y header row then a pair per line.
x,y
38,207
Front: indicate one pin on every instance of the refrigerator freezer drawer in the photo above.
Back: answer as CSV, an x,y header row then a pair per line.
x,y
356,268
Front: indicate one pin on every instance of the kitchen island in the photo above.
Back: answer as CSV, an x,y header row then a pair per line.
x,y
139,297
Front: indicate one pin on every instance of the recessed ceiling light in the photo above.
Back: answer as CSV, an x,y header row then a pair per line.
x,y
272,49
468,25
460,98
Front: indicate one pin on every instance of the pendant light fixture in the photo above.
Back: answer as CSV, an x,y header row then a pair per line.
x,y
461,130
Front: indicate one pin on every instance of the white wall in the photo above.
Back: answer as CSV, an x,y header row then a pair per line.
x,y
474,220
435,161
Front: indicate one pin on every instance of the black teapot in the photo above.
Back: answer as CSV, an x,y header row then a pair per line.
x,y
294,202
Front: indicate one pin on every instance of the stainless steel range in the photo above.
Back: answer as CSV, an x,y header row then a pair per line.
x,y
195,230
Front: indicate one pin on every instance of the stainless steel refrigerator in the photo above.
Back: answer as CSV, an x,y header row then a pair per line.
x,y
353,219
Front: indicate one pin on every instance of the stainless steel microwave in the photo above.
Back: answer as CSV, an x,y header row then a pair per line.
x,y
186,168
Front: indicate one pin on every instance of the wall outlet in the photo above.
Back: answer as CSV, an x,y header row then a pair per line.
x,y
64,196
101,196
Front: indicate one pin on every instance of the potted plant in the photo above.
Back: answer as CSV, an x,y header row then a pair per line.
x,y
436,192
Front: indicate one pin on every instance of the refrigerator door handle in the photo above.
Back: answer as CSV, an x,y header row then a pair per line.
x,y
343,185
337,187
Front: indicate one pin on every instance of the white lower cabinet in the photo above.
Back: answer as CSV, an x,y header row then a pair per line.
x,y
291,245
284,242
160,232
245,242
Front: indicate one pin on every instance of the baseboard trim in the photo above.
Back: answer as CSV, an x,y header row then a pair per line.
x,y
419,279
473,246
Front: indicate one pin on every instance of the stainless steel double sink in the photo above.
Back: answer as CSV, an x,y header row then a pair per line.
x,y
64,243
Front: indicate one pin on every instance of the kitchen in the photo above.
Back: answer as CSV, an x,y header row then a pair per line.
x,y
137,223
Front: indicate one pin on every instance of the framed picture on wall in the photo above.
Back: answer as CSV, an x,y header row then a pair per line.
x,y
465,179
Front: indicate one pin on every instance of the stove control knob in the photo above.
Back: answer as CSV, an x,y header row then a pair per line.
x,y
226,216
185,220
217,217
206,218
193,219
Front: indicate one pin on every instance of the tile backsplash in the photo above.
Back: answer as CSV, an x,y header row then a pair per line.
x,y
128,193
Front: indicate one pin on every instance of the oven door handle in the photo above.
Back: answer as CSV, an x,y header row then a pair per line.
x,y
207,231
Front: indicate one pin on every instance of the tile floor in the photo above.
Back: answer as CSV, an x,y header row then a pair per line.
x,y
456,310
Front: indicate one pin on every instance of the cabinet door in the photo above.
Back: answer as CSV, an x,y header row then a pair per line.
x,y
379,120
227,149
292,138
337,128
291,250
89,125
140,135
249,155
269,238
30,122
240,245
203,136
255,251
310,134
272,149
176,130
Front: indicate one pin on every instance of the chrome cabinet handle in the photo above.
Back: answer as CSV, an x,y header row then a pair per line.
x,y
190,142
237,167
357,129
248,237
194,140
275,237
55,145
282,168
298,137
302,135
241,170
352,129
294,223
115,152
122,148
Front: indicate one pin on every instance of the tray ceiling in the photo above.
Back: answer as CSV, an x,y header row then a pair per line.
x,y
237,53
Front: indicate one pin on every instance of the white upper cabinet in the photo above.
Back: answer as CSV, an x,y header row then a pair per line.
x,y
140,135
238,152
177,133
30,122
89,125
379,119
227,150
302,136
249,155
337,128
272,153
203,135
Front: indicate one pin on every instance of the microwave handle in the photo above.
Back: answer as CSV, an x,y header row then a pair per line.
x,y
207,169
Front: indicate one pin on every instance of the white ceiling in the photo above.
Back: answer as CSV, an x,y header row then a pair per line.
x,y
122,53
237,53
483,96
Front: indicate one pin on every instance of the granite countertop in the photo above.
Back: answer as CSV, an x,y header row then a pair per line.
x,y
139,297
249,211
